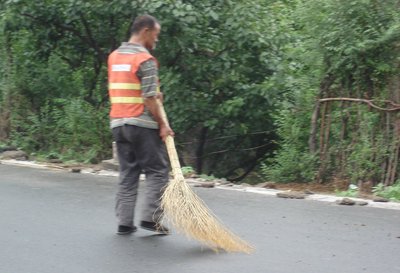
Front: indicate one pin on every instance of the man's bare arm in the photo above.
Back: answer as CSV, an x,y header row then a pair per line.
x,y
153,104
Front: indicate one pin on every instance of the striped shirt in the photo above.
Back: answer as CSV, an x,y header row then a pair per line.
x,y
148,75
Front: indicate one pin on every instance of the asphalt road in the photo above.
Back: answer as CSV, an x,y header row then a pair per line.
x,y
59,222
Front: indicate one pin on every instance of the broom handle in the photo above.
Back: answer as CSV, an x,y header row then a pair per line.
x,y
170,143
173,158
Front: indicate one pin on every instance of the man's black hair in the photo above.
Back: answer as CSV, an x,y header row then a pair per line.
x,y
141,22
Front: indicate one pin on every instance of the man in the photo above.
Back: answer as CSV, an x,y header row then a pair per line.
x,y
137,126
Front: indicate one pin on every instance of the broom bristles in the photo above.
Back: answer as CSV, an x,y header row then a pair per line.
x,y
188,213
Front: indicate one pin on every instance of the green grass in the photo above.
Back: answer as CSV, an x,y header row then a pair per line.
x,y
390,192
348,193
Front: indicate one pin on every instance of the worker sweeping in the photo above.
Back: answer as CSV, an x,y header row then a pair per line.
x,y
140,127
137,126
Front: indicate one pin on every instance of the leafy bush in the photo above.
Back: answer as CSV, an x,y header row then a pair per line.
x,y
390,192
351,192
187,171
290,165
293,162
71,129
344,49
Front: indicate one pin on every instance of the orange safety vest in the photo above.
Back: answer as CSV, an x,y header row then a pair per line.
x,y
124,86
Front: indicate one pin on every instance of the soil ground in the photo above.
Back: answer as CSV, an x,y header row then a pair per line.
x,y
301,187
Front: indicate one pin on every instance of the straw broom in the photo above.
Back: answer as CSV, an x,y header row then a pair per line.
x,y
189,214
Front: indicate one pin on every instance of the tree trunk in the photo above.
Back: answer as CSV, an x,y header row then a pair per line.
x,y
312,141
324,140
200,149
393,172
343,135
5,110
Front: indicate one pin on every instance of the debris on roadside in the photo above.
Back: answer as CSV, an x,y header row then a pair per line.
x,y
75,170
291,195
361,203
16,155
346,201
205,185
380,199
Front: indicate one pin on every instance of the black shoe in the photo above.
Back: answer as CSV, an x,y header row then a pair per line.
x,y
125,230
153,226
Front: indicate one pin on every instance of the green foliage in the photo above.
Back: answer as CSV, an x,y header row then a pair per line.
x,y
340,49
348,193
215,59
291,163
360,163
187,171
390,192
207,177
214,55
3,145
69,128
56,54
240,80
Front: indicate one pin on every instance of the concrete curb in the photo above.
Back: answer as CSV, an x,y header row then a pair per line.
x,y
273,192
318,197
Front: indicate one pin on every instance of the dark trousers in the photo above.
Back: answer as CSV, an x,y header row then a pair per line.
x,y
140,149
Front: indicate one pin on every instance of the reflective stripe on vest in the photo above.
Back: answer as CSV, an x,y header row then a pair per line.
x,y
117,97
134,86
126,100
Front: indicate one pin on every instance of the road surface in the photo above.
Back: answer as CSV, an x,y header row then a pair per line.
x,y
60,222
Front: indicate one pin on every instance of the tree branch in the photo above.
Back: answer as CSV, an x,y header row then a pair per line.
x,y
61,26
91,40
369,102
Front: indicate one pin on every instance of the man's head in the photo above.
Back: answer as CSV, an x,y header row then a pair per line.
x,y
146,28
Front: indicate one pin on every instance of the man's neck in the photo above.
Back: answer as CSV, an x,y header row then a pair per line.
x,y
136,40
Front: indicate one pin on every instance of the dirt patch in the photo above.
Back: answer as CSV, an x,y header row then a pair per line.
x,y
311,187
